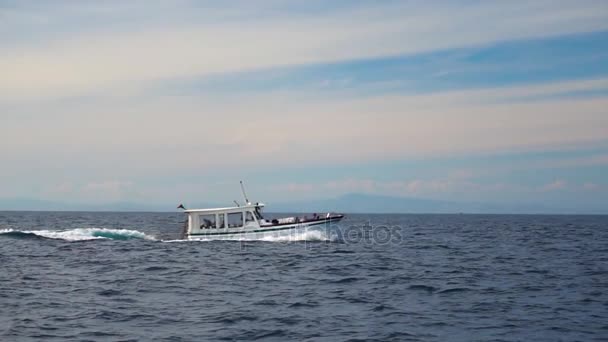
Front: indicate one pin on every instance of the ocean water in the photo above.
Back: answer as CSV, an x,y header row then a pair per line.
x,y
128,277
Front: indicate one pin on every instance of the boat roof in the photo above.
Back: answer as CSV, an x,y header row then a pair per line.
x,y
226,209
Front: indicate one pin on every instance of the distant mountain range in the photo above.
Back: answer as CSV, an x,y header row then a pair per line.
x,y
350,203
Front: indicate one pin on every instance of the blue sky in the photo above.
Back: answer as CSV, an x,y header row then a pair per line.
x,y
175,101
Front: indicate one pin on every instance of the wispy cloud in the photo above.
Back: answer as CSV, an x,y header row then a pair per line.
x,y
559,184
457,189
590,186
257,37
271,128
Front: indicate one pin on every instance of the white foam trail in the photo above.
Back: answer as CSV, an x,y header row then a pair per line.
x,y
84,234
309,235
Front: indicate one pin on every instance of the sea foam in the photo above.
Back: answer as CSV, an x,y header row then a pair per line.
x,y
81,234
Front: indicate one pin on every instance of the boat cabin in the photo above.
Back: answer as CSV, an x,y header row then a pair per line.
x,y
246,216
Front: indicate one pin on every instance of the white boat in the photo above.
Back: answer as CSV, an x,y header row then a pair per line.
x,y
247,222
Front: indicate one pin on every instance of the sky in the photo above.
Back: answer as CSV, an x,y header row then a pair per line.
x,y
176,101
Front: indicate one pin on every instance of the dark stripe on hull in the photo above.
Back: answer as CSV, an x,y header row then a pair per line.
x,y
331,220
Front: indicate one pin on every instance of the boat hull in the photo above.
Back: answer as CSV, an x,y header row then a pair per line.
x,y
281,232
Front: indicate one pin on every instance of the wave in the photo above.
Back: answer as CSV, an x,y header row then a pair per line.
x,y
79,234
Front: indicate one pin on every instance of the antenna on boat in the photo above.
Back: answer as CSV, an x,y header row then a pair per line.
x,y
237,203
244,194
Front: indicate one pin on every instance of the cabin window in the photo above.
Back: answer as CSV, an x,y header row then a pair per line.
x,y
221,221
235,220
249,217
207,221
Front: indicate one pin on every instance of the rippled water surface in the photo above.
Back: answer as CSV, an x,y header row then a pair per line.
x,y
126,276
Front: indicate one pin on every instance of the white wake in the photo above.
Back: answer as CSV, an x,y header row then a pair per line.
x,y
83,234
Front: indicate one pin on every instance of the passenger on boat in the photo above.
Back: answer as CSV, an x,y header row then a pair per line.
x,y
206,223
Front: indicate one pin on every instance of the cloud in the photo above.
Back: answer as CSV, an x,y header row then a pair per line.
x,y
513,165
414,187
439,188
556,185
293,187
348,185
137,51
204,132
590,186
